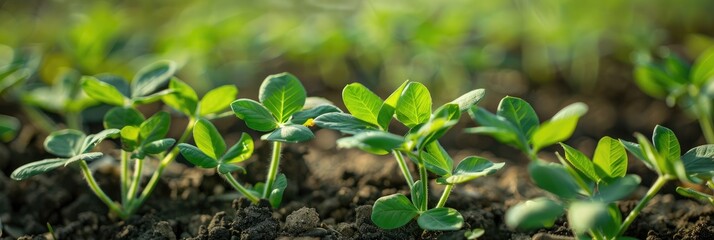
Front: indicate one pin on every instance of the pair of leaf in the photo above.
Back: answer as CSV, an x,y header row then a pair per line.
x,y
668,77
116,91
396,210
71,145
281,96
516,123
211,151
185,100
276,195
369,108
148,137
471,168
609,161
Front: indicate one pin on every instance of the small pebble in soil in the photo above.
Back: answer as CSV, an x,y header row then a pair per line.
x,y
302,220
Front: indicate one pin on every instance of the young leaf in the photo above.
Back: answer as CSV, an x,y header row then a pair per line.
x,y
635,150
418,194
610,158
93,139
577,109
469,99
651,156
435,165
151,77
196,156
227,168
555,179
343,122
158,146
699,161
183,98
119,117
441,219
386,111
553,131
64,143
471,168
129,138
520,114
703,68
217,99
102,91
302,116
581,162
587,216
255,115
276,196
85,157
373,141
290,133
617,189
155,128
498,127
241,151
666,143
438,152
208,139
282,94
35,168
362,103
414,105
119,83
533,214
393,211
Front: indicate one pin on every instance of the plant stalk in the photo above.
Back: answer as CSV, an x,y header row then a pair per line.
x,y
424,177
405,169
445,195
706,124
74,120
138,165
273,171
240,188
160,170
98,191
661,180
124,176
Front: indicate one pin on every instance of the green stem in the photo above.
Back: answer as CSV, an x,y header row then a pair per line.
x,y
273,171
74,120
240,188
650,194
98,191
424,177
160,169
445,196
124,176
138,165
405,169
706,124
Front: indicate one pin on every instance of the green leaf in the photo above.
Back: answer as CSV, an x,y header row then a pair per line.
x,y
703,68
227,168
418,193
155,128
610,158
577,109
551,132
103,92
617,189
276,195
151,77
9,126
441,219
119,117
217,99
666,143
151,98
443,160
93,139
635,150
183,98
581,162
302,116
158,146
64,143
469,99
533,214
129,138
431,131
652,158
474,234
393,211
362,103
85,156
12,78
386,111
119,83
555,179
254,114
651,80
586,216
373,141
519,113
343,122
471,168
241,151
435,165
414,105
196,156
208,139
282,94
498,127
35,168
289,133
699,161
691,193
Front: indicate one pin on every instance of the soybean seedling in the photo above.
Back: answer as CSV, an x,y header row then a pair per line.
x,y
281,112
586,189
211,152
516,124
411,105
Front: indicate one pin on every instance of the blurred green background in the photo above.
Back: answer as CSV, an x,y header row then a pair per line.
x,y
448,45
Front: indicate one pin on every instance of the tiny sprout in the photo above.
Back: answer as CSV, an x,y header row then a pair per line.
x,y
474,233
